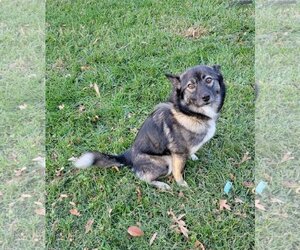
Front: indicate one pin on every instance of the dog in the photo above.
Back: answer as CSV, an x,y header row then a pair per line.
x,y
174,131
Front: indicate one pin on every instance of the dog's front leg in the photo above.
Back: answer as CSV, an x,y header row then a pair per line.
x,y
178,163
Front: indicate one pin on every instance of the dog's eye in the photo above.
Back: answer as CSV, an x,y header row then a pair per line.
x,y
208,80
191,86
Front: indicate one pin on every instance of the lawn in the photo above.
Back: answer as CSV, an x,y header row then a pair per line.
x,y
125,47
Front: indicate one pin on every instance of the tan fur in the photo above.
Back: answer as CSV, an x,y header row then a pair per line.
x,y
178,163
188,122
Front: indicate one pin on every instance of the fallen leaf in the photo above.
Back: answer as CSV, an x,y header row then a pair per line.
x,y
96,88
72,203
20,171
276,200
61,106
232,177
152,239
290,184
287,157
139,194
22,106
40,211
199,245
85,67
245,158
59,172
74,211
259,206
195,32
181,194
26,195
115,168
223,204
135,231
248,184
238,200
38,203
88,225
243,215
62,196
179,225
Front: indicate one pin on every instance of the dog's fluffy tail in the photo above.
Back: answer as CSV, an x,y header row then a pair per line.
x,y
102,160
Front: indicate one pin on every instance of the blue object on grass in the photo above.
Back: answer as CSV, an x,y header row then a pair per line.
x,y
260,187
227,187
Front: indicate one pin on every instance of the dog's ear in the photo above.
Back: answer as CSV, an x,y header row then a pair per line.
x,y
174,79
217,68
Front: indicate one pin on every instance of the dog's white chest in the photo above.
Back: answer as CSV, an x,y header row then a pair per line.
x,y
210,133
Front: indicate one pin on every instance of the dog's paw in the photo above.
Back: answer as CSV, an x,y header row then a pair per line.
x,y
182,183
194,157
161,185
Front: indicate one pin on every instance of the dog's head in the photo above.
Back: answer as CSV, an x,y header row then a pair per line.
x,y
199,90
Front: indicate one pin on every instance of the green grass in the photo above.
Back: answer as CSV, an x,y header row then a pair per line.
x,y
128,46
22,131
277,123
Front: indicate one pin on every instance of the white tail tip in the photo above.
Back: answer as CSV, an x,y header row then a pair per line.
x,y
84,161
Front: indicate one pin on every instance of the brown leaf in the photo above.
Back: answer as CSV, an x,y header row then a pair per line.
x,y
88,225
181,194
223,204
40,211
139,194
135,231
63,196
20,171
245,158
116,168
287,157
259,206
248,184
179,224
152,239
231,176
59,172
85,67
74,211
195,32
96,88
199,245
22,106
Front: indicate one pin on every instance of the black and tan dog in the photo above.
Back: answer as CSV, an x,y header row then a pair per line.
x,y
174,131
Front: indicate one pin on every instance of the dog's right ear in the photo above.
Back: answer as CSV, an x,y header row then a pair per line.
x,y
174,79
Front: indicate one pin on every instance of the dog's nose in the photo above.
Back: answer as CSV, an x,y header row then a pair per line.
x,y
206,98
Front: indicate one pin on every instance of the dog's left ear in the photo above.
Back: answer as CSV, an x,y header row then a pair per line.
x,y
174,79
217,68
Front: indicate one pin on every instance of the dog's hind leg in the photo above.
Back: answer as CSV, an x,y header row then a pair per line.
x,y
149,171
